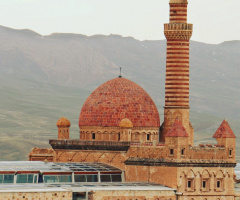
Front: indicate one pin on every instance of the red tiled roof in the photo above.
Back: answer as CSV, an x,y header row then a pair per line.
x,y
117,99
177,130
224,131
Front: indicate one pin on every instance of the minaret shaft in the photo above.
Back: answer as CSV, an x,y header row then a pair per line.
x,y
177,74
178,33
178,12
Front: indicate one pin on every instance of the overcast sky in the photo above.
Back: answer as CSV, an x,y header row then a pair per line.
x,y
214,21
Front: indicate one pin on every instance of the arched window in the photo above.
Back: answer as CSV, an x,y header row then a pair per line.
x,y
182,151
119,136
219,181
205,178
190,181
148,137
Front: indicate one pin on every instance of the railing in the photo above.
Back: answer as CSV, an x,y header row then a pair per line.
x,y
181,27
80,142
89,145
100,143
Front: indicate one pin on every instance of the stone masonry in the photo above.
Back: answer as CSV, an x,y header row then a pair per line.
x,y
120,126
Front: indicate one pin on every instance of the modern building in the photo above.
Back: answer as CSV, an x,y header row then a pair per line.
x,y
69,181
120,126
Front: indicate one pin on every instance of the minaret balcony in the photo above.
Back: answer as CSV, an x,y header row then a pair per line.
x,y
178,31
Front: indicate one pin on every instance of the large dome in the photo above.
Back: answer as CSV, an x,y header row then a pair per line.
x,y
118,99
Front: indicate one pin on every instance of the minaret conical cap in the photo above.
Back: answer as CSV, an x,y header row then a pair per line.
x,y
224,131
178,1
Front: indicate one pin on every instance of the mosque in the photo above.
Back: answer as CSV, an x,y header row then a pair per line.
x,y
120,127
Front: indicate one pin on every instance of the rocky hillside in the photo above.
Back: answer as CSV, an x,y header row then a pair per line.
x,y
45,77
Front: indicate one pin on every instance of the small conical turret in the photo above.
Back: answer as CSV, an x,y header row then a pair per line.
x,y
226,138
224,131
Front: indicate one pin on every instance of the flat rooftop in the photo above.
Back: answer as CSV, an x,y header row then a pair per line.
x,y
84,187
55,167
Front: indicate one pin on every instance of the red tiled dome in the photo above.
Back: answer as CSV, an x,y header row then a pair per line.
x,y
117,99
63,122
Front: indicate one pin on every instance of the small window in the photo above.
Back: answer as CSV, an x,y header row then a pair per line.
x,y
230,152
1,178
111,178
118,136
171,151
63,131
189,183
117,178
93,136
65,179
105,178
182,152
148,136
25,178
204,184
79,195
6,178
218,184
92,178
80,178
57,178
50,179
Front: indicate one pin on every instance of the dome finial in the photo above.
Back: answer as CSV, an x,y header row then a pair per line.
x,y
120,76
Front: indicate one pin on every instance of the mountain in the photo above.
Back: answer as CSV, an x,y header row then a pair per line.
x,y
45,77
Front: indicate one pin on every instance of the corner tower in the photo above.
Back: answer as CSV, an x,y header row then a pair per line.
x,y
178,33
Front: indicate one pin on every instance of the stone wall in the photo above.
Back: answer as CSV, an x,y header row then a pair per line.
x,y
136,134
211,175
54,195
175,149
133,195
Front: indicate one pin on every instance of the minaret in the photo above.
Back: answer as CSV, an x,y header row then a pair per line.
x,y
178,33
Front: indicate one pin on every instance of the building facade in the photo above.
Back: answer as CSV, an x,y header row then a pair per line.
x,y
120,126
